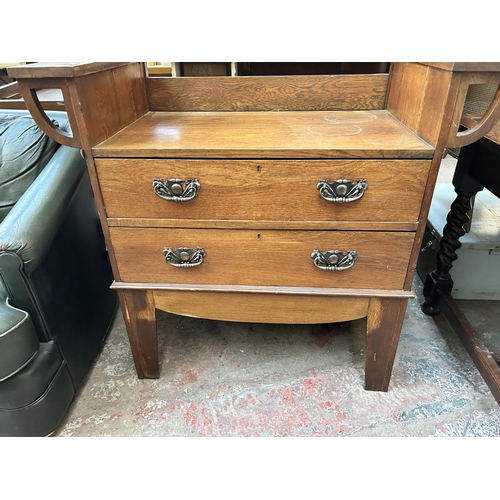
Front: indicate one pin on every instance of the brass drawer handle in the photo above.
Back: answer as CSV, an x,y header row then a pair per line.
x,y
342,190
184,257
334,260
176,189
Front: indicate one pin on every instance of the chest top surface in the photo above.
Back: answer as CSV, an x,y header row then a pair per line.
x,y
276,134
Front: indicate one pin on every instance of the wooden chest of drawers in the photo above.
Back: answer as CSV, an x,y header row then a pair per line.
x,y
289,200
259,220
277,214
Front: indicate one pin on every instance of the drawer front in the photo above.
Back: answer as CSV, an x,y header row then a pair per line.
x,y
268,257
278,190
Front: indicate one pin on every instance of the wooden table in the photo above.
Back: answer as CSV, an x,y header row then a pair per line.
x,y
298,199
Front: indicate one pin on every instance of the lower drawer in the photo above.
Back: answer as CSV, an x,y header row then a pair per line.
x,y
267,258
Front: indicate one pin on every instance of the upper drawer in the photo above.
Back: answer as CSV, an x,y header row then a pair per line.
x,y
266,190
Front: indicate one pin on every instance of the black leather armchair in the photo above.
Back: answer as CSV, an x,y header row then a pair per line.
x,y
55,303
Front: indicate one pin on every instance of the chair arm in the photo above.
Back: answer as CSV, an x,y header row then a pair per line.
x,y
30,227
18,339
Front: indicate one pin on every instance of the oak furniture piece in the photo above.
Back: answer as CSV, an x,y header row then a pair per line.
x,y
55,302
478,167
299,199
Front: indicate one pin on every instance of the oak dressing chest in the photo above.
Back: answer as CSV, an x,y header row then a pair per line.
x,y
262,199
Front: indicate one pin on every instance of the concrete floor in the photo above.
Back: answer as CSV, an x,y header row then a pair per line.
x,y
229,379
239,379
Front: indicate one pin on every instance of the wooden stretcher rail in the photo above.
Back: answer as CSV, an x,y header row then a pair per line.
x,y
270,290
483,359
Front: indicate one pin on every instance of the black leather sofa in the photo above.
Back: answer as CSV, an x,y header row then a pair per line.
x,y
56,306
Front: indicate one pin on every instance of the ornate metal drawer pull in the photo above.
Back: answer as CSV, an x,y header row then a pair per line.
x,y
184,257
342,190
334,260
176,189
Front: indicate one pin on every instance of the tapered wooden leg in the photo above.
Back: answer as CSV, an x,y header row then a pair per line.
x,y
383,328
138,309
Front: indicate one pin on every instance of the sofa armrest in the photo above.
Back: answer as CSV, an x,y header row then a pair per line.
x,y
18,339
30,227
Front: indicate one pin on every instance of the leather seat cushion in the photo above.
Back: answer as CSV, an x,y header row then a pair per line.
x,y
18,338
27,385
24,152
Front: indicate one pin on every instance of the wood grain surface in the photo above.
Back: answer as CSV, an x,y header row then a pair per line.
x,y
140,319
269,257
267,290
288,134
109,101
326,225
470,121
61,69
383,329
262,308
419,96
264,190
254,93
